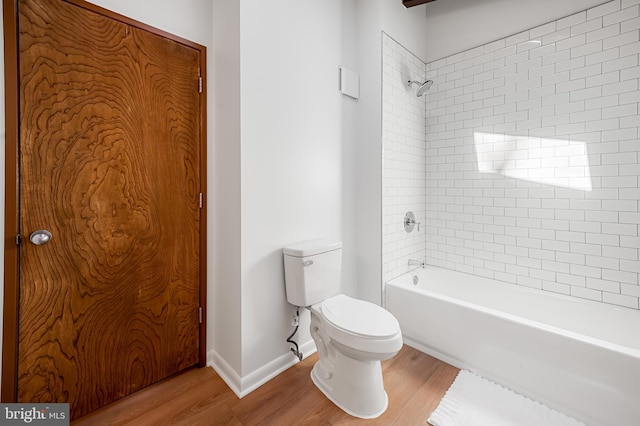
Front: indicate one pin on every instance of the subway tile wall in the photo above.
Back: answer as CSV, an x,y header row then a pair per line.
x,y
532,157
403,157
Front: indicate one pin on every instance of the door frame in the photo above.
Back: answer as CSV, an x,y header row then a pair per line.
x,y
9,385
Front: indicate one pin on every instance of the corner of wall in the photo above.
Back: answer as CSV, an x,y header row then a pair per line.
x,y
369,153
224,297
243,385
403,158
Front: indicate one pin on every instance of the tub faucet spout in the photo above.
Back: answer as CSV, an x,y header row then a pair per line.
x,y
412,262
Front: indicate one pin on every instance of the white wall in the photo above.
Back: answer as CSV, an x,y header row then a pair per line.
x,y
295,128
456,25
369,149
189,18
533,158
406,26
224,332
403,156
301,159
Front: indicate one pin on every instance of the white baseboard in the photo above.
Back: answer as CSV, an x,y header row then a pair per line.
x,y
242,386
224,370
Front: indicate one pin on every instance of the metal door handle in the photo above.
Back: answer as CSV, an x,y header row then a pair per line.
x,y
40,237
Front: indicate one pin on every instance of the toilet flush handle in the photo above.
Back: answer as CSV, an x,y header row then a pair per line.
x,y
307,263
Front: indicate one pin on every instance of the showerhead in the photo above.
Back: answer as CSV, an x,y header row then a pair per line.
x,y
423,86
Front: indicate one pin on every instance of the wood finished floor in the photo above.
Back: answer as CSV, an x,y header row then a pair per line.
x,y
414,381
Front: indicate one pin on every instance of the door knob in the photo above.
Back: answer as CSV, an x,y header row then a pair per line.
x,y
40,237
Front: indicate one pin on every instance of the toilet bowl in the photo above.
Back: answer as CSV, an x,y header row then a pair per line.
x,y
352,337
367,330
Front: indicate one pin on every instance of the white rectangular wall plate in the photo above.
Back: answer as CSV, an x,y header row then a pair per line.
x,y
349,83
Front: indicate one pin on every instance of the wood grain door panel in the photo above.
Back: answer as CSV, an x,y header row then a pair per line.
x,y
110,164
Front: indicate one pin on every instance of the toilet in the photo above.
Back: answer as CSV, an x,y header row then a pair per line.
x,y
352,336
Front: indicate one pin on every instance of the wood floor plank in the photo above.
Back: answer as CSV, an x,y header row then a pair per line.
x,y
427,398
166,395
404,375
275,395
414,381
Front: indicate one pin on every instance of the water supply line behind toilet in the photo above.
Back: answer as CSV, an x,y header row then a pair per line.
x,y
296,322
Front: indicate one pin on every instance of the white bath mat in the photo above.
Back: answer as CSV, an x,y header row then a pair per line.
x,y
474,401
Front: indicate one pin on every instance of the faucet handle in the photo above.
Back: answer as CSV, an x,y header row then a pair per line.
x,y
410,222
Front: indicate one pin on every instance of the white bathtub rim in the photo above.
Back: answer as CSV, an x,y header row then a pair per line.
x,y
405,279
536,324
627,350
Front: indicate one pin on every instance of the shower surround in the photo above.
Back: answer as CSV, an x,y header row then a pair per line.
x,y
527,168
403,157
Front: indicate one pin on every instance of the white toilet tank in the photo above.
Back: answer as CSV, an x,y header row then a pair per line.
x,y
312,271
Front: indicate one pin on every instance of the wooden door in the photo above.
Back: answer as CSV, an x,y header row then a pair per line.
x,y
110,164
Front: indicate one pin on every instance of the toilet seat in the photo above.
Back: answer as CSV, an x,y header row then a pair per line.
x,y
359,325
359,318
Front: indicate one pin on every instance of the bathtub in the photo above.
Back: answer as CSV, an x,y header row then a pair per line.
x,y
577,356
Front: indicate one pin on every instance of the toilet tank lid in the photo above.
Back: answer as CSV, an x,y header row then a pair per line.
x,y
311,248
